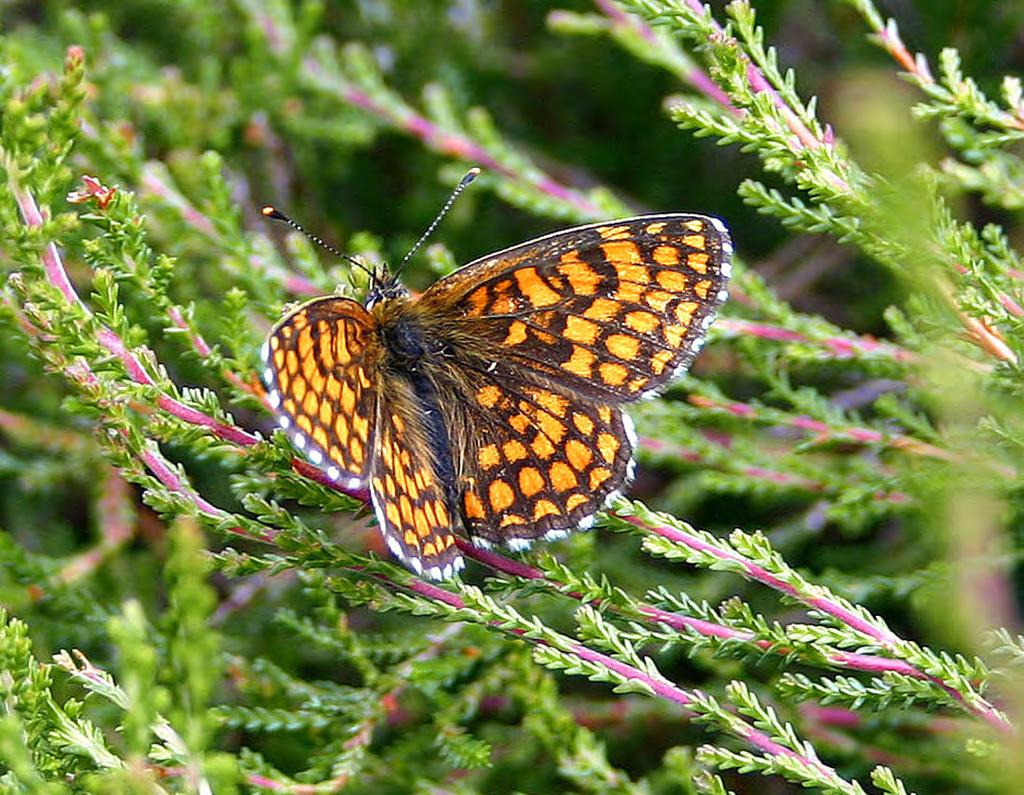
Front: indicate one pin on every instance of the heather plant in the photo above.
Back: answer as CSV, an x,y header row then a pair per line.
x,y
814,581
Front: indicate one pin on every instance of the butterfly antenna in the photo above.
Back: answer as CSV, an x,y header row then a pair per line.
x,y
277,215
470,175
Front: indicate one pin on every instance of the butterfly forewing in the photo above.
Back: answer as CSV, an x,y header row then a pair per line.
x,y
321,371
613,311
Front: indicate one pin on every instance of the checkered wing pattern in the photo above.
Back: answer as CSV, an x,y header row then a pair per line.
x,y
409,492
610,311
320,366
542,464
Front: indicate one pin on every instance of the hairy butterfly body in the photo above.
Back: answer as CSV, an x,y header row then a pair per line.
x,y
492,403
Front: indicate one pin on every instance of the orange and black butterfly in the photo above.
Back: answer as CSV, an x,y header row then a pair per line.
x,y
492,404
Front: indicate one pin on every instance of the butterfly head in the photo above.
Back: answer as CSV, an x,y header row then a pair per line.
x,y
384,286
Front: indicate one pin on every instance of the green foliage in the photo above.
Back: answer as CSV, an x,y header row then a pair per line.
x,y
191,608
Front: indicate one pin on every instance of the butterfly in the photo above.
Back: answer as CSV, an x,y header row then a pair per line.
x,y
491,405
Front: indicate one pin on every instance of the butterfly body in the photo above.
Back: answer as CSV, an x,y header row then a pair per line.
x,y
490,404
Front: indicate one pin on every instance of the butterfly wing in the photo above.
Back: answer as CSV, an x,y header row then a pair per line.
x,y
540,463
410,488
611,311
320,363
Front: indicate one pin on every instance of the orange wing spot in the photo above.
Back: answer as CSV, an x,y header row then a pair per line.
x,y
514,451
286,332
604,413
411,539
478,301
640,274
637,384
429,550
581,362
621,252
530,481
326,354
694,226
511,519
299,388
629,292
583,280
613,374
442,514
622,346
655,229
292,361
697,262
543,508
550,402
412,488
613,232
702,287
541,445
300,321
310,405
309,367
674,334
583,423
579,330
562,477
335,455
333,387
658,299
278,358
304,422
355,447
488,396
641,321
282,381
500,495
305,344
448,540
675,281
326,414
405,508
535,289
428,509
579,454
341,349
361,426
472,506
420,520
696,241
684,312
551,427
364,380
275,343
516,334
398,422
520,422
608,446
389,486
598,475
391,512
348,398
602,310
575,501
488,457
320,437
341,431
666,255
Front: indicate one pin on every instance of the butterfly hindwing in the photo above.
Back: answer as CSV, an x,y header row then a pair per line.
x,y
540,463
610,311
410,497
320,364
